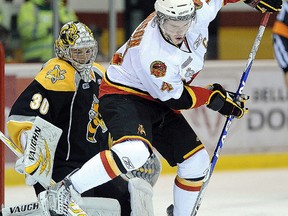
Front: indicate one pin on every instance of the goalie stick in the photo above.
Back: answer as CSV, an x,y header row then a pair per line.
x,y
74,209
229,119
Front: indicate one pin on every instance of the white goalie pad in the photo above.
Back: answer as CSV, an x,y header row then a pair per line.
x,y
150,171
141,194
91,206
31,209
40,150
100,206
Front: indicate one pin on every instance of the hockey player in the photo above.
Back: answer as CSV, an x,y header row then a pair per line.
x,y
64,93
145,87
280,40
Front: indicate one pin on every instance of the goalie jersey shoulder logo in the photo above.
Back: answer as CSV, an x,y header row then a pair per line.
x,y
57,75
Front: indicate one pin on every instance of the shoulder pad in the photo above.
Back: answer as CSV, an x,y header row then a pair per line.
x,y
57,75
98,69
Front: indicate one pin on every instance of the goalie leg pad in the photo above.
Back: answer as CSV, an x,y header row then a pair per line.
x,y
141,194
100,206
150,171
30,209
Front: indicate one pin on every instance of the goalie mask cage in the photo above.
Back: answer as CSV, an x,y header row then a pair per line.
x,y
2,121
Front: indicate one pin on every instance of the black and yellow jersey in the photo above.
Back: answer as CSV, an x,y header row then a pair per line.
x,y
60,96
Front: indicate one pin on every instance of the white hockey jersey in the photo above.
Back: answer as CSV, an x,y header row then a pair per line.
x,y
148,64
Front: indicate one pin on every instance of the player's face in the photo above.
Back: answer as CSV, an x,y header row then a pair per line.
x,y
176,30
82,55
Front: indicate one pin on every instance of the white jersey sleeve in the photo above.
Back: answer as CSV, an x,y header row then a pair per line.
x,y
153,65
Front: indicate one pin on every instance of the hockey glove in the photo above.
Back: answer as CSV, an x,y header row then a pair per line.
x,y
265,5
221,100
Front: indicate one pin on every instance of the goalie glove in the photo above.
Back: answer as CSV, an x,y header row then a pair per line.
x,y
222,101
265,5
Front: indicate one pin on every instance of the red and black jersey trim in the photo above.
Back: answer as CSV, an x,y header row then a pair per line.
x,y
109,87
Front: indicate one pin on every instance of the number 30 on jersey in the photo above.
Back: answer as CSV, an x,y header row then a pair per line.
x,y
38,102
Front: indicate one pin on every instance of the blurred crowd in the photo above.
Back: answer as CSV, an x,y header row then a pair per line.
x,y
29,37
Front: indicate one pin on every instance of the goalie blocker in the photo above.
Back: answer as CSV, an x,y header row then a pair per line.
x,y
40,145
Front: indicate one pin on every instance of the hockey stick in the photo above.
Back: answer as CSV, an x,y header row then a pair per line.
x,y
229,119
74,209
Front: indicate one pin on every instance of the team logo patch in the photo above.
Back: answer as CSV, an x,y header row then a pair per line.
x,y
158,69
69,35
55,74
95,121
166,87
141,130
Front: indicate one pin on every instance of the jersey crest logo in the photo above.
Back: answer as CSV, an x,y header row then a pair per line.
x,y
158,69
95,121
55,74
166,87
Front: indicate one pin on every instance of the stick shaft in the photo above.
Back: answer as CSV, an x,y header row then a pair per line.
x,y
229,119
241,86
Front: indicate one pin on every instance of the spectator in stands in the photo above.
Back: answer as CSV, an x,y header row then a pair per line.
x,y
1,17
35,26
5,37
280,40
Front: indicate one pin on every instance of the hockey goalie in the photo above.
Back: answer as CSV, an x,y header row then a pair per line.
x,y
55,127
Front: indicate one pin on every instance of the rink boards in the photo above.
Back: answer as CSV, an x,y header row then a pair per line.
x,y
258,140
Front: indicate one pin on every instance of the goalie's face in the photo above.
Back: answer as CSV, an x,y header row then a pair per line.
x,y
82,55
175,30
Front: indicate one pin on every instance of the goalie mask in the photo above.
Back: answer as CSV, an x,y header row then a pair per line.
x,y
77,45
174,18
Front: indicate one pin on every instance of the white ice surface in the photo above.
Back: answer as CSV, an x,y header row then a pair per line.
x,y
235,193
